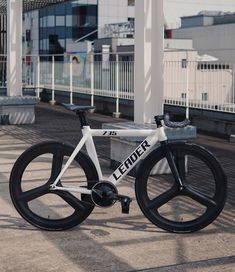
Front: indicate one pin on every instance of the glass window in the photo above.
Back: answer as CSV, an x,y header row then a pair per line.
x,y
41,21
42,12
50,31
69,31
91,10
60,32
184,63
60,9
68,8
131,2
43,33
183,95
45,44
204,96
69,20
44,21
91,20
62,43
50,10
51,21
60,20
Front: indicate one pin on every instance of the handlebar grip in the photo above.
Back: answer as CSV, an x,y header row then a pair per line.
x,y
171,124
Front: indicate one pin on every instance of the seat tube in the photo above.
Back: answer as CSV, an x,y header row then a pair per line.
x,y
71,158
91,150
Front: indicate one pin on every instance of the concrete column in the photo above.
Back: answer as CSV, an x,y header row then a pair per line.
x,y
149,26
14,47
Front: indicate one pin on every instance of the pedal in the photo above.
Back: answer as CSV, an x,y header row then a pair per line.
x,y
125,202
111,196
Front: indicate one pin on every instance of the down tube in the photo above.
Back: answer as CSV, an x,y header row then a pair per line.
x,y
140,152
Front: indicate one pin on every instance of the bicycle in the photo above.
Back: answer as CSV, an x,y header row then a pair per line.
x,y
168,189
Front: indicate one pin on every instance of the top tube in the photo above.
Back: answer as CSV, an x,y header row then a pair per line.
x,y
122,132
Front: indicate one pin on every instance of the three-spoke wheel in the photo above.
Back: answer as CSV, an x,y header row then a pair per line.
x,y
30,180
186,207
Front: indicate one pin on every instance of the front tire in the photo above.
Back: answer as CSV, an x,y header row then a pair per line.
x,y
190,207
30,180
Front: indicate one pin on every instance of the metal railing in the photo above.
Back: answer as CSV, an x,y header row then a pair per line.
x,y
189,84
77,74
202,85
3,71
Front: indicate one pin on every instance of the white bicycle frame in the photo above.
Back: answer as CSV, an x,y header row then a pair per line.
x,y
152,137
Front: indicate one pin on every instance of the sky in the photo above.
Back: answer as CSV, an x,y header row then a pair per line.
x,y
174,9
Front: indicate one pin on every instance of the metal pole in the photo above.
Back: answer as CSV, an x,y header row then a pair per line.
x,y
187,88
71,79
117,113
38,78
52,102
92,78
233,88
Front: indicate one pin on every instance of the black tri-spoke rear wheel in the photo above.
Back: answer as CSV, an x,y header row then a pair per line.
x,y
30,180
186,207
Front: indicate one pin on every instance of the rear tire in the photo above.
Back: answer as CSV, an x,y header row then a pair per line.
x,y
34,172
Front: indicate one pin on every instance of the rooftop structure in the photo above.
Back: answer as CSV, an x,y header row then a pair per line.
x,y
205,18
125,29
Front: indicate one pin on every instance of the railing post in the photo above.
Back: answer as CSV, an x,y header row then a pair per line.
x,y
117,113
185,65
233,88
38,78
92,78
71,78
187,89
52,102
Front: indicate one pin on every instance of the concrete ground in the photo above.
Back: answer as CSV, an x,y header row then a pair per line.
x,y
108,240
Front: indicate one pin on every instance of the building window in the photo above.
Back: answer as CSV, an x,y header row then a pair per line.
x,y
204,96
209,66
183,95
60,20
69,20
184,63
51,21
131,2
41,22
131,20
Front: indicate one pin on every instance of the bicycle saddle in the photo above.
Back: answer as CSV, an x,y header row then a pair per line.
x,y
77,108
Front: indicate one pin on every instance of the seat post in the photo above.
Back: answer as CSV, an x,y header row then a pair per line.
x,y
82,118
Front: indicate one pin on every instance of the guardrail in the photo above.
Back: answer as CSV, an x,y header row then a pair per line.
x,y
200,85
190,84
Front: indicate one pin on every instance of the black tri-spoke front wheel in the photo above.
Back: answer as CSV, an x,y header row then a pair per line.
x,y
189,204
30,180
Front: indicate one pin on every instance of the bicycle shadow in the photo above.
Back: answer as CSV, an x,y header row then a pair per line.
x,y
12,222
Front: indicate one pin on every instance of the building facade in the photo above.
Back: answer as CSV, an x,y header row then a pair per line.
x,y
54,29
212,33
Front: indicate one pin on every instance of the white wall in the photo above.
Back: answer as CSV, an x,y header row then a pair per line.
x,y
216,40
178,44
